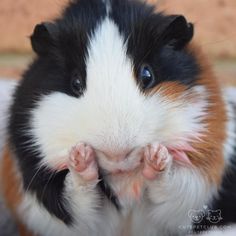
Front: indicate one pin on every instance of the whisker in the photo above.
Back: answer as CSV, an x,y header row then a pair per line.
x,y
53,174
33,178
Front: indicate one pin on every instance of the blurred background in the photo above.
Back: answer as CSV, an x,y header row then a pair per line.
x,y
215,23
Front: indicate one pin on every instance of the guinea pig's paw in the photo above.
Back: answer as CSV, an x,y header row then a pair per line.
x,y
82,161
156,159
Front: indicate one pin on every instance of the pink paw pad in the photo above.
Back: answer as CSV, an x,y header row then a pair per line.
x,y
82,160
156,159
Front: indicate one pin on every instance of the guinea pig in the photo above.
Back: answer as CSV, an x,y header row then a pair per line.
x,y
118,127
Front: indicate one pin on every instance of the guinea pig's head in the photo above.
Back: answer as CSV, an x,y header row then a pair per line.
x,y
116,75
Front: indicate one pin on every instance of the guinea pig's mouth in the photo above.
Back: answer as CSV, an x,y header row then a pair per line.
x,y
120,166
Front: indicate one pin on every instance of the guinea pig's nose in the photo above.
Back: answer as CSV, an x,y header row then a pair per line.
x,y
117,156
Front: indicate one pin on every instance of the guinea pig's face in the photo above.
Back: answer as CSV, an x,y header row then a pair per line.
x,y
116,77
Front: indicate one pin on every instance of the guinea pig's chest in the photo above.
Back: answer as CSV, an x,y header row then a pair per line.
x,y
127,187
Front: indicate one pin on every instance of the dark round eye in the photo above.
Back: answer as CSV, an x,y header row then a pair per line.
x,y
76,85
146,77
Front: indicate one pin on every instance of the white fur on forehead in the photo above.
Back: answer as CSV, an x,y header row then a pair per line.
x,y
113,115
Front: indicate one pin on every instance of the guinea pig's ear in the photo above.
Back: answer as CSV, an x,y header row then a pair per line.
x,y
178,32
42,38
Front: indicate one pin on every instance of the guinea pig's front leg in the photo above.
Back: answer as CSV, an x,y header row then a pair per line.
x,y
156,160
81,187
172,189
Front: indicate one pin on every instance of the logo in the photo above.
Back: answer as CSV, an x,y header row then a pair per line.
x,y
214,216
197,216
203,219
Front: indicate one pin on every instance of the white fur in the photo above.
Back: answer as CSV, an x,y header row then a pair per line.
x,y
229,97
174,195
114,116
39,220
84,203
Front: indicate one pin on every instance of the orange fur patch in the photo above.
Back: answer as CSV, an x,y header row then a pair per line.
x,y
210,159
170,90
10,185
23,231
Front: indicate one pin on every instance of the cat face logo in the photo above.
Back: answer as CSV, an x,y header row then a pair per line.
x,y
196,216
214,216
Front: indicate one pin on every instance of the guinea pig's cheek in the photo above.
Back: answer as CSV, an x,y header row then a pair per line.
x,y
181,116
185,123
53,128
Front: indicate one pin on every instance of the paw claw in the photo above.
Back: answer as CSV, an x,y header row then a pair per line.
x,y
82,160
156,159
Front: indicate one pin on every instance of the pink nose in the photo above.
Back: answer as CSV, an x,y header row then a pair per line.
x,y
117,156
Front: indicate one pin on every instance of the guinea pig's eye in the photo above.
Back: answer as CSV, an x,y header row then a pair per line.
x,y
146,77
76,85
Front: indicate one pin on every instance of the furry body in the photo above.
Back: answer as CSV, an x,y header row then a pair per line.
x,y
101,45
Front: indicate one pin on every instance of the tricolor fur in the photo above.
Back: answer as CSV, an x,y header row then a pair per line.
x,y
104,44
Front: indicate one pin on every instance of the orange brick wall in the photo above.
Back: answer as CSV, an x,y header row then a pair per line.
x,y
215,21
